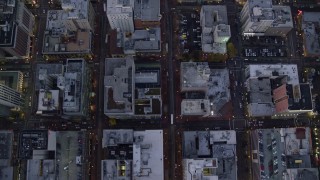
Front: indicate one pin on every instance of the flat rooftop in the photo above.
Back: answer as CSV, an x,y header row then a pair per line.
x,y
302,173
32,140
116,169
310,26
195,106
119,86
148,155
71,147
213,15
62,37
214,82
74,86
197,143
259,90
116,137
143,41
147,10
264,10
48,100
75,9
34,171
208,153
120,7
269,70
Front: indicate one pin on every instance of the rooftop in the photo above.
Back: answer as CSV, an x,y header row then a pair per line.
x,y
119,86
73,85
270,70
120,7
209,155
48,100
40,169
146,161
75,9
31,140
310,26
117,137
147,10
142,41
213,15
264,10
46,75
302,173
214,82
148,155
64,37
116,169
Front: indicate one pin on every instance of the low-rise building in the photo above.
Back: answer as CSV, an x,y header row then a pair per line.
x,y
68,31
215,29
63,88
130,90
146,13
310,27
206,90
261,18
282,153
274,90
133,154
209,155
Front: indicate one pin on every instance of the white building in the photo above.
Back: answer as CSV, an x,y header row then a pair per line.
x,y
120,14
259,18
215,29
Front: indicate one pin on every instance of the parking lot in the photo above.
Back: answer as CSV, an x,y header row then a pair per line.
x,y
32,140
266,46
69,155
189,33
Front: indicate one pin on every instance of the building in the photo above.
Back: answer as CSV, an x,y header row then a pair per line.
x,y
16,23
310,27
206,90
261,18
64,156
130,90
142,41
46,78
119,87
274,90
215,29
10,91
75,89
133,155
69,31
282,154
146,13
6,143
63,89
209,155
120,14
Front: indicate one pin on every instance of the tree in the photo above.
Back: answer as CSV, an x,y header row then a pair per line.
x,y
231,50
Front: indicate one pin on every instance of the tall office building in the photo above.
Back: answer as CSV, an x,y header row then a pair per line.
x,y
16,23
120,14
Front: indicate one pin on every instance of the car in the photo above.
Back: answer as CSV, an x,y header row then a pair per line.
x,y
44,11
